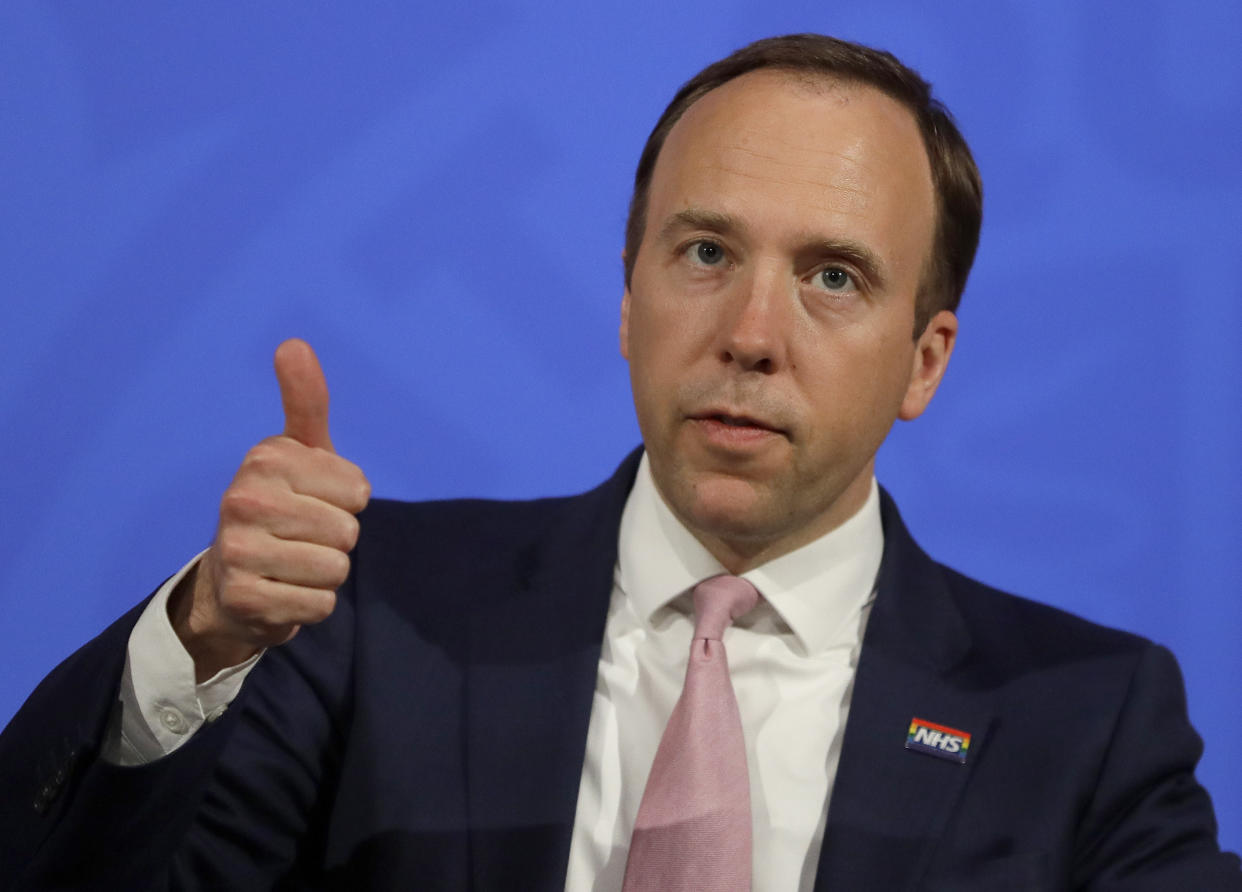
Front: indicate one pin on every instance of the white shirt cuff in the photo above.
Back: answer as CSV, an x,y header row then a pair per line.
x,y
161,705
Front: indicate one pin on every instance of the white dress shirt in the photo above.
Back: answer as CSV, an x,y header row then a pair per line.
x,y
161,705
792,662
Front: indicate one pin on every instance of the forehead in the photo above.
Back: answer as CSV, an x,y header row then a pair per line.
x,y
786,153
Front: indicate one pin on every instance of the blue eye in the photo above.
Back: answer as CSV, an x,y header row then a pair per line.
x,y
836,279
708,253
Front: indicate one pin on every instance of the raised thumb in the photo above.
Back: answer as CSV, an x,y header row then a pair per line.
x,y
304,394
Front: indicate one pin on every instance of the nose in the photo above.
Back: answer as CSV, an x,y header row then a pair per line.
x,y
755,328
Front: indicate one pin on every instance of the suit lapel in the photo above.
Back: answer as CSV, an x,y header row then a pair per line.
x,y
890,804
533,659
534,656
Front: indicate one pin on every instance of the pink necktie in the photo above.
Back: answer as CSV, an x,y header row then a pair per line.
x,y
693,828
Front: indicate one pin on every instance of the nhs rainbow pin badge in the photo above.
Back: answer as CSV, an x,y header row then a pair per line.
x,y
938,740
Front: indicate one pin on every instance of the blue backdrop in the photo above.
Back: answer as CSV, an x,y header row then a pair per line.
x,y
435,199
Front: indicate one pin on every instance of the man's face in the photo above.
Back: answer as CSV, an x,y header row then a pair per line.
x,y
769,315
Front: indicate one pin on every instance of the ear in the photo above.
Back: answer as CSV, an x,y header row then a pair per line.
x,y
625,325
931,357
625,318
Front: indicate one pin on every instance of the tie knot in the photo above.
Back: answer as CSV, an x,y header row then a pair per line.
x,y
718,602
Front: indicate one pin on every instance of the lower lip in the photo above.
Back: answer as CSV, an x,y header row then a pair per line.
x,y
733,435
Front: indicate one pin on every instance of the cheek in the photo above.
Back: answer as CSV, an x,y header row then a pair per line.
x,y
858,386
665,334
652,369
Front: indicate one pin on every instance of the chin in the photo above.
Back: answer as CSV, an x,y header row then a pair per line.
x,y
727,508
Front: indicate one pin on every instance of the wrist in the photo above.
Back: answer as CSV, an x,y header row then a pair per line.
x,y
211,649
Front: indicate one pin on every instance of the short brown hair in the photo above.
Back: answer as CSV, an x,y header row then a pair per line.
x,y
955,178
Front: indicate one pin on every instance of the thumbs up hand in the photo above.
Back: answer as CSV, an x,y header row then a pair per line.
x,y
286,528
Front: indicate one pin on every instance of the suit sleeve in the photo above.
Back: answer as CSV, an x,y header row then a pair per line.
x,y
1149,824
236,807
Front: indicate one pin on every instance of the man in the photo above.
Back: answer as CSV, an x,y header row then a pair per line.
x,y
471,694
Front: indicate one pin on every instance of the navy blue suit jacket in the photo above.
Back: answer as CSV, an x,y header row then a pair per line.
x,y
431,734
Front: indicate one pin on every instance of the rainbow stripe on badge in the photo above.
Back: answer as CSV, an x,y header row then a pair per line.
x,y
938,740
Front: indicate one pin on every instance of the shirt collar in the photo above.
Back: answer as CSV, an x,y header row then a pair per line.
x,y
816,589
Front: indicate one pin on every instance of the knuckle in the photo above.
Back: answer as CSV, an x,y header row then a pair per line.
x,y
233,547
265,457
322,607
356,497
241,503
355,488
350,529
336,568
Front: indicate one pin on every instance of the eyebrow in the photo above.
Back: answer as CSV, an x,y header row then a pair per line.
x,y
855,253
698,218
